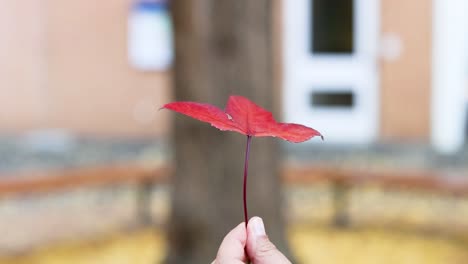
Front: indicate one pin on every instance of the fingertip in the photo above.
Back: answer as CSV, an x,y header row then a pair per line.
x,y
256,226
255,229
259,248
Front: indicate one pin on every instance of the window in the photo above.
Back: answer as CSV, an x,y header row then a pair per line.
x,y
326,99
332,26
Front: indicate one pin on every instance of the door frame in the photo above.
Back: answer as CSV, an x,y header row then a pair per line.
x,y
450,75
304,70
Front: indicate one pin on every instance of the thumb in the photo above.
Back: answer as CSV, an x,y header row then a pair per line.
x,y
259,248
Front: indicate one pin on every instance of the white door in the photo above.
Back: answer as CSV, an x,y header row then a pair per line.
x,y
330,67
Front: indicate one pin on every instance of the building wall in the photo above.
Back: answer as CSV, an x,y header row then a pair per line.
x,y
22,105
406,80
64,65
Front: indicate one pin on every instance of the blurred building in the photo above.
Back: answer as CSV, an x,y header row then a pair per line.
x,y
391,71
360,71
64,65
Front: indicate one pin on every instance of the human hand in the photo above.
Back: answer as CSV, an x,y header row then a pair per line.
x,y
241,246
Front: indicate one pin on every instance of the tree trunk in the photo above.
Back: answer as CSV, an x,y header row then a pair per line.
x,y
223,47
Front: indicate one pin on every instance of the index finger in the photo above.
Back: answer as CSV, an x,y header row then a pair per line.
x,y
232,249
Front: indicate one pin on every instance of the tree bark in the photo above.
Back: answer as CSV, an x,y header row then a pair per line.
x,y
223,47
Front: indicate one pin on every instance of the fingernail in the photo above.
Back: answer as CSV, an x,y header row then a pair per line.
x,y
258,227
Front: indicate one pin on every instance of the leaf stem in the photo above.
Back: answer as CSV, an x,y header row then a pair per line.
x,y
246,171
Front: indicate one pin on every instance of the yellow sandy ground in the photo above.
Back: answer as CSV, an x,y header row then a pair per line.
x,y
310,244
325,245
136,247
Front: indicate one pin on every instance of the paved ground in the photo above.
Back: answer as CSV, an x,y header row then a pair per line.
x,y
409,157
46,152
49,151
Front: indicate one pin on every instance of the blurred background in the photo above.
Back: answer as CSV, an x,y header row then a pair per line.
x,y
86,158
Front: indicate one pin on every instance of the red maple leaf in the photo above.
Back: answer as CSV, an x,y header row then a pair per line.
x,y
244,116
